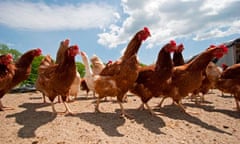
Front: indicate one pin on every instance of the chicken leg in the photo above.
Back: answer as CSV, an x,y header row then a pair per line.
x,y
148,107
67,111
97,105
161,102
123,112
237,104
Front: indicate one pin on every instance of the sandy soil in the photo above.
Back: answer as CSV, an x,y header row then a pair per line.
x,y
32,122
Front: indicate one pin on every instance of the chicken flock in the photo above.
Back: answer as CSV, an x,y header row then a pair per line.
x,y
169,77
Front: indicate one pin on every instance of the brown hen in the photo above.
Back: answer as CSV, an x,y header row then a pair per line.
x,y
19,72
188,77
117,78
57,79
152,78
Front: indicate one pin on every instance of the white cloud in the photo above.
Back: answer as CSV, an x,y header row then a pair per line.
x,y
40,16
195,19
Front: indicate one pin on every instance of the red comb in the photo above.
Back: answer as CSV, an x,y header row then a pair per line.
x,y
75,46
39,50
224,48
212,46
223,65
9,56
180,46
172,42
147,30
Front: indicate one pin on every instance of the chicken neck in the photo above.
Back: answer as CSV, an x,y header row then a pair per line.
x,y
132,47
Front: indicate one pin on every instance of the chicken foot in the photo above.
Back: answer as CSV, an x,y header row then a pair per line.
x,y
2,108
98,102
148,107
179,103
97,105
67,111
123,112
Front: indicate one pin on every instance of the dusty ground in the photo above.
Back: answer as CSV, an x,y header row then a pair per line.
x,y
32,122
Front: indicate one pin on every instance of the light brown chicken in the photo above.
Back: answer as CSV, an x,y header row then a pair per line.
x,y
95,69
210,77
46,61
97,65
229,82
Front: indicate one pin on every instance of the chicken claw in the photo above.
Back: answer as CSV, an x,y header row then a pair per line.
x,y
148,107
67,111
123,113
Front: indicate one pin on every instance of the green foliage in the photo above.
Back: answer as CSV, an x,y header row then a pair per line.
x,y
80,68
141,64
4,49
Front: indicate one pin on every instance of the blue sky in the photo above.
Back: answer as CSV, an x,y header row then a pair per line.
x,y
105,27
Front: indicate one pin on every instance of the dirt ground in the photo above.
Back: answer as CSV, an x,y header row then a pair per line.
x,y
32,122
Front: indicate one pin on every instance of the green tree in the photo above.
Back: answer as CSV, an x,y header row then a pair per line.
x,y
4,49
80,68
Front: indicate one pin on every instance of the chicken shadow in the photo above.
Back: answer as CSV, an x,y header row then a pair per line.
x,y
231,113
31,119
109,122
151,122
174,112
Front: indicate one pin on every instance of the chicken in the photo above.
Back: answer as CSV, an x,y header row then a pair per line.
x,y
97,65
188,77
22,70
75,87
57,79
46,61
88,82
152,78
213,73
231,72
222,68
116,78
7,71
229,82
177,61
